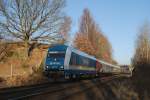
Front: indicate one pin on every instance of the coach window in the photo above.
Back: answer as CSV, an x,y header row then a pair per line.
x,y
79,60
73,59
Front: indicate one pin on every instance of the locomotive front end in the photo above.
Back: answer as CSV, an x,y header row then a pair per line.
x,y
54,64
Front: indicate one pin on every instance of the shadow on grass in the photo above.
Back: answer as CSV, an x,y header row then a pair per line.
x,y
141,80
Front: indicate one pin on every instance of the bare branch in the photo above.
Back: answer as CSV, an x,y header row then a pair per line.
x,y
29,20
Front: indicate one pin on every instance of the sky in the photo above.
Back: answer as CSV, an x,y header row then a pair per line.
x,y
119,20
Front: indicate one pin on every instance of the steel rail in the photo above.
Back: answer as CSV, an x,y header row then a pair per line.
x,y
16,93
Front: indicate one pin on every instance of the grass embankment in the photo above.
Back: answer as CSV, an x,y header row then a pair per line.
x,y
17,69
120,89
141,79
136,87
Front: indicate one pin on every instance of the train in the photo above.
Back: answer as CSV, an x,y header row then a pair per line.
x,y
67,62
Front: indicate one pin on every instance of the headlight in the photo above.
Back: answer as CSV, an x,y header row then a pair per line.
x,y
61,66
47,67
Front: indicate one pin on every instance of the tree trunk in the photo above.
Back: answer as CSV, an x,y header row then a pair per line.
x,y
26,49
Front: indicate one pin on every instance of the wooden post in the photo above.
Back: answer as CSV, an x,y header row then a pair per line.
x,y
11,70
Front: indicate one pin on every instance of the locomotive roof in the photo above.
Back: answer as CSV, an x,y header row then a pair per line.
x,y
82,53
57,47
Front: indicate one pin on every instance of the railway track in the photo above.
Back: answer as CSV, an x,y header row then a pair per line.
x,y
50,88
68,93
29,91
11,93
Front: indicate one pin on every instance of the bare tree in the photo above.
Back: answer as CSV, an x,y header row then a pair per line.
x,y
142,53
141,59
31,20
91,40
65,28
83,44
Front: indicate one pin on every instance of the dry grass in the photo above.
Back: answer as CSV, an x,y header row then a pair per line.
x,y
24,70
124,90
5,51
21,80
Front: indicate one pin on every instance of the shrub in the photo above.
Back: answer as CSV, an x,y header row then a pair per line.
x,y
21,80
5,51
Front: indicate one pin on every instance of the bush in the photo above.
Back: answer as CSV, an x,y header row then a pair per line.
x,y
1,79
35,77
5,51
21,80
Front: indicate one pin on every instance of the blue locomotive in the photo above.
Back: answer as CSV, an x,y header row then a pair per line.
x,y
69,63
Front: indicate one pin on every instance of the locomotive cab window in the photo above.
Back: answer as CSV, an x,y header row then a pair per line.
x,y
56,55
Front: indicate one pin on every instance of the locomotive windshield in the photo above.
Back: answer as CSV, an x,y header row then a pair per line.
x,y
56,55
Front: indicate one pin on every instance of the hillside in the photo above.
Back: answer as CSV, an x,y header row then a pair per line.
x,y
14,64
